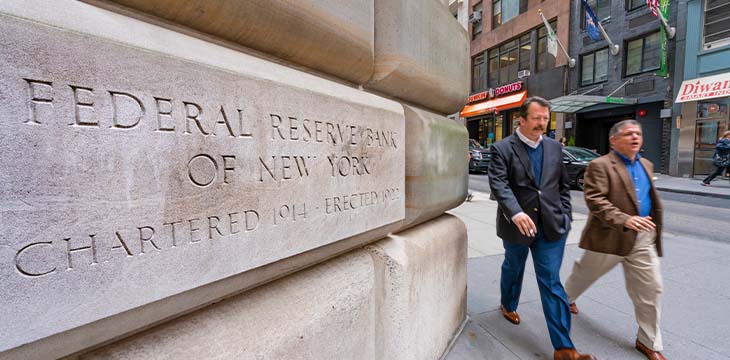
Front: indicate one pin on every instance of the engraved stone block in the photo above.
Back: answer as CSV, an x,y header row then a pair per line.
x,y
423,288
421,55
136,168
325,312
436,165
334,37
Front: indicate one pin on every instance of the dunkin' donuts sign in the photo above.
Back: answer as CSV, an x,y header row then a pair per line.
x,y
495,92
704,88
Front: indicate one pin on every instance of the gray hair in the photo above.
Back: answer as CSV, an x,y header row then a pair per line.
x,y
620,125
533,99
726,133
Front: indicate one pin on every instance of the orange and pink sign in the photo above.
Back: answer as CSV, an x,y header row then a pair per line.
x,y
704,88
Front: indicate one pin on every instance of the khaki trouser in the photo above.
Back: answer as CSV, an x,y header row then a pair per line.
x,y
643,283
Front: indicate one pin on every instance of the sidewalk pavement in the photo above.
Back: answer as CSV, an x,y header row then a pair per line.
x,y
720,187
696,299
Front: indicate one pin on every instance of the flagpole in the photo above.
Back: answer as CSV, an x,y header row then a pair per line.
x,y
670,30
614,47
571,61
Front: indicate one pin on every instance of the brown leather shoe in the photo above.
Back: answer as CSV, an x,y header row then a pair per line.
x,y
571,354
511,316
574,309
649,353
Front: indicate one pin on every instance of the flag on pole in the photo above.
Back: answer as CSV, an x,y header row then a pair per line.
x,y
653,6
662,6
552,44
591,22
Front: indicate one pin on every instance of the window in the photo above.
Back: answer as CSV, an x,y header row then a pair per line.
x,y
476,27
716,30
505,10
525,48
544,59
643,54
493,70
506,60
601,8
478,74
594,67
632,4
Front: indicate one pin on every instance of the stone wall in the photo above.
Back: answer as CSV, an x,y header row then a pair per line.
x,y
166,162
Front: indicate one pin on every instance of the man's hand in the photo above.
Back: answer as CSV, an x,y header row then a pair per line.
x,y
525,225
639,224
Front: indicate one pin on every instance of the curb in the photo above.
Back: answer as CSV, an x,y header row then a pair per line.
x,y
694,192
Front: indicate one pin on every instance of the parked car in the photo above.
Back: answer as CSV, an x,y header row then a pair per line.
x,y
576,160
478,157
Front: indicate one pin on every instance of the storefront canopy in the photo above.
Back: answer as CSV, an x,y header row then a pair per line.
x,y
708,87
576,103
488,106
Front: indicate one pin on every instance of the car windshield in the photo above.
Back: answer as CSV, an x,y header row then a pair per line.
x,y
581,154
473,144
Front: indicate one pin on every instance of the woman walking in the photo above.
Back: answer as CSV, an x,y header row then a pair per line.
x,y
721,158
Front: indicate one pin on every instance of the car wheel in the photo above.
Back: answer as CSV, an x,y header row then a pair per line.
x,y
580,182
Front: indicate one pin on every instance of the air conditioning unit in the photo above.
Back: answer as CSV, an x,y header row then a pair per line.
x,y
475,16
523,73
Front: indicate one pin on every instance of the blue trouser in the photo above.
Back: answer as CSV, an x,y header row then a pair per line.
x,y
547,258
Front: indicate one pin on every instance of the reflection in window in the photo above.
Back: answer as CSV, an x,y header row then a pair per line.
x,y
505,10
707,132
716,31
594,67
601,8
643,54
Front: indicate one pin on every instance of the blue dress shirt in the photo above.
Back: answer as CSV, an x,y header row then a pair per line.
x,y
641,182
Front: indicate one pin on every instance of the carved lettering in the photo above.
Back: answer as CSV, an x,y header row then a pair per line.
x,y
83,105
193,229
172,231
164,110
144,239
223,120
21,253
193,112
242,134
140,110
213,222
276,125
40,94
202,170
69,251
122,244
346,165
228,167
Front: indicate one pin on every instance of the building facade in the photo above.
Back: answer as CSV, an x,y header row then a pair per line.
x,y
702,83
609,86
510,62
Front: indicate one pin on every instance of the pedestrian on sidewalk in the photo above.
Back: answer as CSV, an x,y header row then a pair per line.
x,y
624,226
721,158
530,183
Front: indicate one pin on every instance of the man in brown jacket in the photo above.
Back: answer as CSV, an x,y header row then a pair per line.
x,y
624,226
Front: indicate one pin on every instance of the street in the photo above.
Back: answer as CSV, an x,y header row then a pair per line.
x,y
698,216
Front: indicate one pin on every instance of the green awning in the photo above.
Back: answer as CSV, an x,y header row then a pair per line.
x,y
575,103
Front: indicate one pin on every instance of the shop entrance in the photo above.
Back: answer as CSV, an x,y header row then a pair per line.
x,y
712,122
487,129
593,133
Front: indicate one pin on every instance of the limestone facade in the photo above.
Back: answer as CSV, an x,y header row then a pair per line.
x,y
214,169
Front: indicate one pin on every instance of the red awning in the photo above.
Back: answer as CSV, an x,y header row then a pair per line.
x,y
502,103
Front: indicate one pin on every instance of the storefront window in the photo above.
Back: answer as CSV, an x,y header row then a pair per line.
x,y
712,121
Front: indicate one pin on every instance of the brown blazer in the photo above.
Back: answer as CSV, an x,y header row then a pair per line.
x,y
611,199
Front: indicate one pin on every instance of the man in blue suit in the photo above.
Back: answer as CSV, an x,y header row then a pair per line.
x,y
529,181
